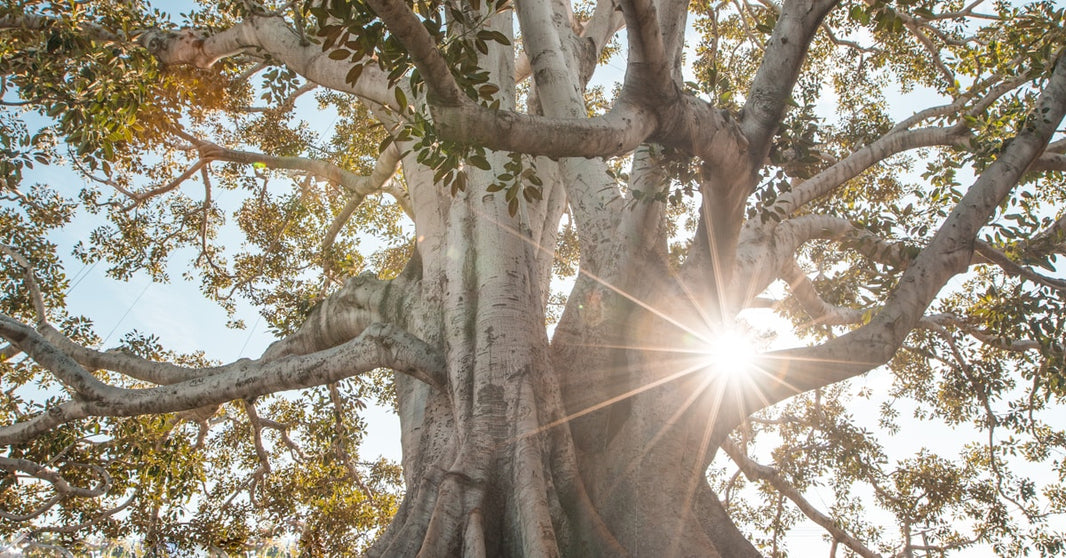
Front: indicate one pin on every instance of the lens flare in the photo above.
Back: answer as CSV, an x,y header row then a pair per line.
x,y
731,353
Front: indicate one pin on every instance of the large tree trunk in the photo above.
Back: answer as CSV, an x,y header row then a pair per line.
x,y
594,446
595,443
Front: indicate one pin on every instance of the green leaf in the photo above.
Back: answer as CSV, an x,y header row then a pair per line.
x,y
479,161
490,35
487,91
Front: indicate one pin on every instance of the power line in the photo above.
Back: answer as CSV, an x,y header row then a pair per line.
x,y
81,275
128,310
250,332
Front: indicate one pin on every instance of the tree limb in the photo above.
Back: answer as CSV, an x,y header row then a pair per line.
x,y
31,285
993,256
97,519
938,323
851,166
778,72
140,197
376,182
62,487
378,346
794,232
648,67
756,472
272,34
822,312
949,253
68,371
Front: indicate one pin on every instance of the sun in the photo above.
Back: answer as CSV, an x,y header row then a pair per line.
x,y
730,353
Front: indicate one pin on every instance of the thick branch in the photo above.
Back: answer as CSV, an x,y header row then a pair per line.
x,y
607,19
60,364
340,317
273,35
435,70
618,132
379,346
793,233
779,70
160,373
1050,162
459,119
850,167
35,22
649,68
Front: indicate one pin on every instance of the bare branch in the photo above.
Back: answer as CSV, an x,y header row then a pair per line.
x,y
915,27
340,445
822,312
62,487
755,471
97,519
993,256
31,285
260,450
289,101
140,197
939,323
846,43
377,182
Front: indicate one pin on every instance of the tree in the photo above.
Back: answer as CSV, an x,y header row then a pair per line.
x,y
749,158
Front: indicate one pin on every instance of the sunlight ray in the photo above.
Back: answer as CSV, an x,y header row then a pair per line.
x,y
647,306
692,397
699,470
607,402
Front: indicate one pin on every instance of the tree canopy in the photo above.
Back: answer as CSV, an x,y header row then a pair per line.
x,y
532,227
